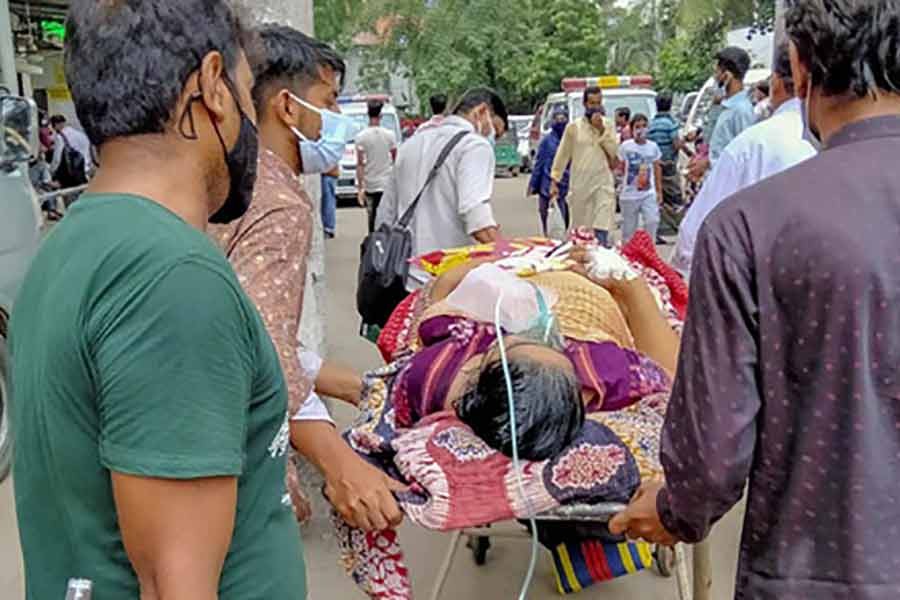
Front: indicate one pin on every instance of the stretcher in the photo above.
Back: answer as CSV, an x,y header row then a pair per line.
x,y
667,561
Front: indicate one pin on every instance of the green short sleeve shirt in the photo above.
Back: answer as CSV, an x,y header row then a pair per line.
x,y
135,350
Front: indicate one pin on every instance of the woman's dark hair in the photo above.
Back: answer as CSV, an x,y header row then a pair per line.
x,y
849,46
638,118
478,96
127,61
549,412
438,104
624,111
290,59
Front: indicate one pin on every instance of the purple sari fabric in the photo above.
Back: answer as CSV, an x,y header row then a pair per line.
x,y
616,377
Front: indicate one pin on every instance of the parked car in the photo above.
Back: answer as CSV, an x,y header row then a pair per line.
x,y
358,108
696,117
521,124
20,231
619,91
687,104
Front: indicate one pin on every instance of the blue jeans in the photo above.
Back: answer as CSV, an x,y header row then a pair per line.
x,y
635,208
329,204
602,237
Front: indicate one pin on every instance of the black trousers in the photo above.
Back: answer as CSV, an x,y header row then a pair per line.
x,y
373,199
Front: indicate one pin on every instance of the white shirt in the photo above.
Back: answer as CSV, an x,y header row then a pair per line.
x,y
376,144
758,153
456,204
79,141
312,409
640,172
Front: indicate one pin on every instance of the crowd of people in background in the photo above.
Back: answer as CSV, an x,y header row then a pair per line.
x,y
64,160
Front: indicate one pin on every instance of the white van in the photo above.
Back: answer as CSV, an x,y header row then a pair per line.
x,y
358,108
634,93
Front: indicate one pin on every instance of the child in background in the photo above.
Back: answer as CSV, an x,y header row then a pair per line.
x,y
642,188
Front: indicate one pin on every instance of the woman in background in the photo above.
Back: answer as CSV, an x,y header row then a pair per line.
x,y
543,164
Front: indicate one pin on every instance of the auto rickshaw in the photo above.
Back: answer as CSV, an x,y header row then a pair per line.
x,y
506,153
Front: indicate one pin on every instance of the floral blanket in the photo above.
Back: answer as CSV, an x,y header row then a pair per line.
x,y
457,481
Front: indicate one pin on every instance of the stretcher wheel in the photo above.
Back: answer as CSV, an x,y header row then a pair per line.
x,y
664,561
480,546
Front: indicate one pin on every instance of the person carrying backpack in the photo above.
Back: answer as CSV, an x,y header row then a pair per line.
x,y
438,196
72,163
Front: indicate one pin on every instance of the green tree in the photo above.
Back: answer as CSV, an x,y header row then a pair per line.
x,y
685,61
522,48
337,20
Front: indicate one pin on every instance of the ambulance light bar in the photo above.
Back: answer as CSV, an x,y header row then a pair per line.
x,y
577,84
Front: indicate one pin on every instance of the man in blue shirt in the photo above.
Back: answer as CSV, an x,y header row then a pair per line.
x,y
664,132
732,65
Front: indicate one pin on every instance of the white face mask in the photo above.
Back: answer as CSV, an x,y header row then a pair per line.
x,y
491,134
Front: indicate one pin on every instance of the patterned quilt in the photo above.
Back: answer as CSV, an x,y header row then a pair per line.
x,y
456,481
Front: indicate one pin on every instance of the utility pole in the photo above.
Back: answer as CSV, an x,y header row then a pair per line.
x,y
8,76
780,9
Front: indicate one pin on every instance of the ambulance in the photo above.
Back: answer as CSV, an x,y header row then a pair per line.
x,y
619,91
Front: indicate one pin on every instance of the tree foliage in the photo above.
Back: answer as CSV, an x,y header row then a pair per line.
x,y
685,60
524,48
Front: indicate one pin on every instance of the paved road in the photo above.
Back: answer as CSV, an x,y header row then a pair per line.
x,y
507,561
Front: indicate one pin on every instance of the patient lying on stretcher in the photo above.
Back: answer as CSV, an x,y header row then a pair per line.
x,y
574,345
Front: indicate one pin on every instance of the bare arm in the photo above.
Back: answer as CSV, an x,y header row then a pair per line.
x,y
658,178
361,493
652,333
337,381
176,533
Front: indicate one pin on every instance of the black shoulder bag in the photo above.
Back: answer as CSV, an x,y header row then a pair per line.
x,y
385,252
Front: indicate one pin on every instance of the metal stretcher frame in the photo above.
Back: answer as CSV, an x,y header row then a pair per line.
x,y
599,513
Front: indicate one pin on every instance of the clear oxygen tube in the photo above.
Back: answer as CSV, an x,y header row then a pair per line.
x,y
529,576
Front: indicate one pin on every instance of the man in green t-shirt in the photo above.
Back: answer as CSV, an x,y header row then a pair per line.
x,y
149,407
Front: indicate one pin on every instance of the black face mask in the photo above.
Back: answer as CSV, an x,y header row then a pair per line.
x,y
241,164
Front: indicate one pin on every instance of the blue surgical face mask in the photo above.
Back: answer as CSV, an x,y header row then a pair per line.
x,y
324,154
